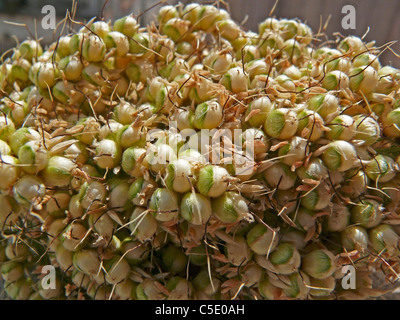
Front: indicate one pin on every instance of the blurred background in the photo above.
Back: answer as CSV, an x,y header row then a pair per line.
x,y
380,17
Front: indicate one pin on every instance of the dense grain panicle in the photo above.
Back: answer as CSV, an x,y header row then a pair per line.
x,y
192,159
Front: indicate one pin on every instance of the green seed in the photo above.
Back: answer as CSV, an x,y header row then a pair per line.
x,y
319,263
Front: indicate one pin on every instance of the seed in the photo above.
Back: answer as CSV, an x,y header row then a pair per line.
x,y
30,49
380,168
102,224
195,208
58,171
363,79
339,155
75,208
367,214
64,257
95,75
392,124
174,259
367,129
117,40
212,181
294,151
322,287
280,176
72,68
184,118
325,104
126,25
165,204
285,258
12,271
130,158
19,290
261,239
237,251
268,290
384,239
138,44
92,195
355,238
142,224
180,289
33,157
315,169
339,218
336,80
167,13
319,264
117,269
366,59
257,67
108,154
317,199
93,48
230,207
176,28
235,80
9,171
388,77
4,148
43,75
281,124
20,70
72,238
133,251
58,203
298,286
208,115
7,128
255,142
157,158
342,128
27,189
119,195
148,290
87,261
